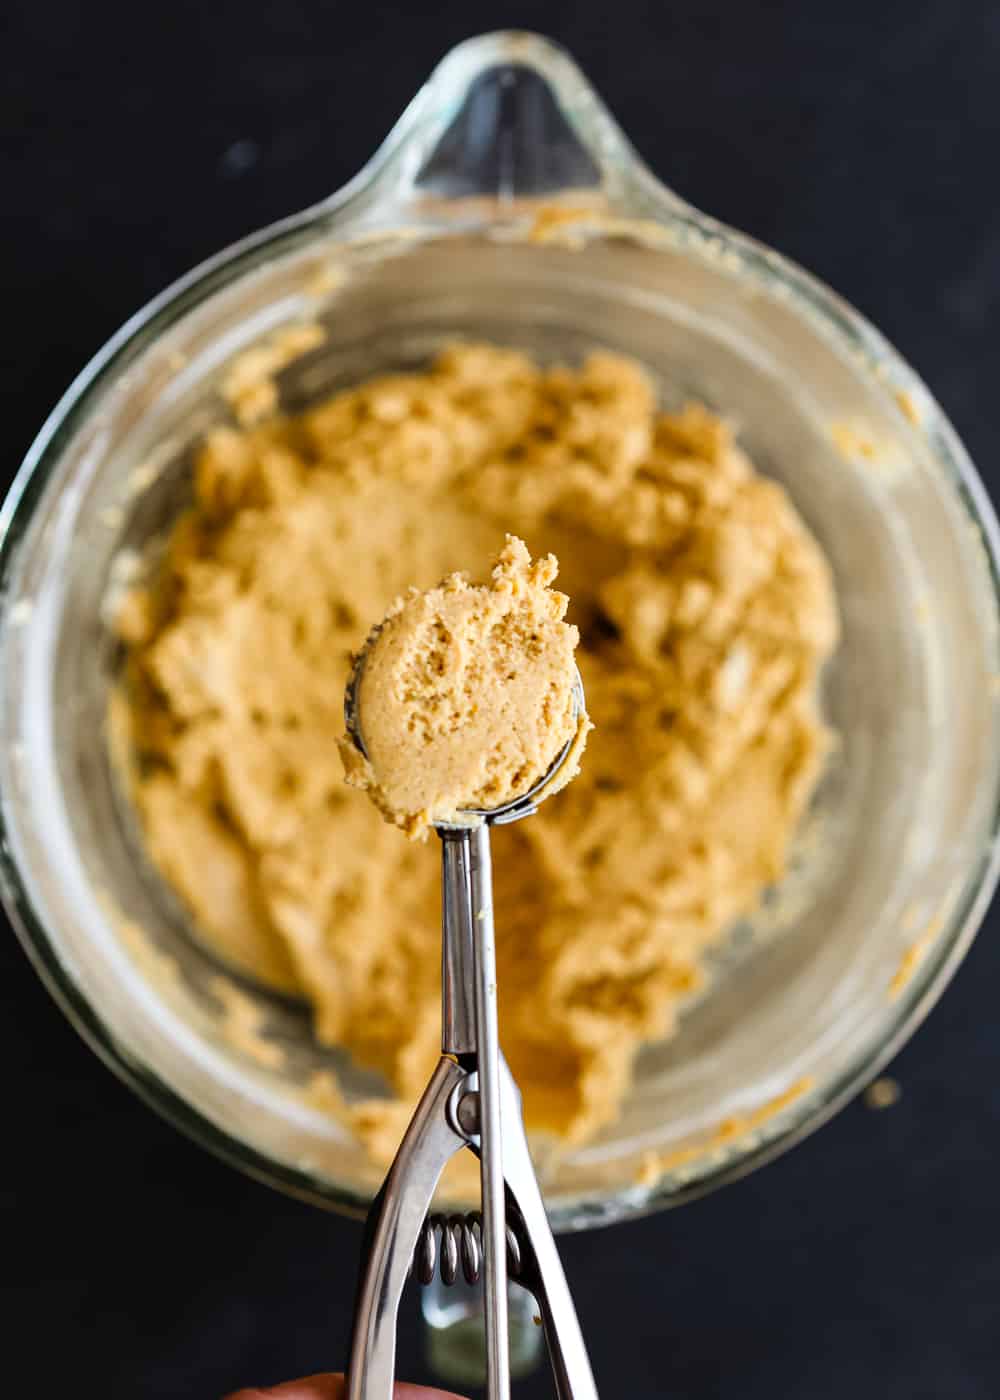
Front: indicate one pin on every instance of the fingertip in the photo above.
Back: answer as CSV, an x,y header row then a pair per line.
x,y
331,1387
419,1392
325,1387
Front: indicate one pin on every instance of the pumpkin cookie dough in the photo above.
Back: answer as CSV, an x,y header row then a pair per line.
x,y
465,696
705,611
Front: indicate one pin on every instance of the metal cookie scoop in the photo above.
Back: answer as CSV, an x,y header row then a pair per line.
x,y
472,1102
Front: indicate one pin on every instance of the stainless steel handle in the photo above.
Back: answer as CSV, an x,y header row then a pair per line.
x,y
490,1115
472,1100
393,1227
542,1270
458,1004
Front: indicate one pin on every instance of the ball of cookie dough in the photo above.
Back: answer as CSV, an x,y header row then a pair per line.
x,y
467,695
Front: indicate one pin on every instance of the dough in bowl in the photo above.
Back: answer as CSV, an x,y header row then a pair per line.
x,y
705,611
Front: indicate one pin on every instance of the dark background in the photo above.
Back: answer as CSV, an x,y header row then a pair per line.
x,y
861,139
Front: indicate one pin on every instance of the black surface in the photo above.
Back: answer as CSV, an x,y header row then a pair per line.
x,y
862,140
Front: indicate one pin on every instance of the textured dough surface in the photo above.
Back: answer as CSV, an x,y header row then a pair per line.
x,y
705,612
466,696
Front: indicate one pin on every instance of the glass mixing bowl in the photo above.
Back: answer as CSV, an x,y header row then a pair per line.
x,y
507,205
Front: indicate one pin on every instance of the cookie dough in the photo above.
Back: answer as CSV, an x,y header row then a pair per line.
x,y
465,696
705,611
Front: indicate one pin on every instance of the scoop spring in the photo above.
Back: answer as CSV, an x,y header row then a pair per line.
x,y
450,1242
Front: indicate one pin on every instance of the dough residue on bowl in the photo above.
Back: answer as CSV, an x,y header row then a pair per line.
x,y
466,695
705,611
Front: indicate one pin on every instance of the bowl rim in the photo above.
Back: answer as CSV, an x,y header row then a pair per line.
x,y
696,234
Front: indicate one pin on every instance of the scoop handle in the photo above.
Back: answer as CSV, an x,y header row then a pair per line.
x,y
394,1223
490,1126
542,1271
